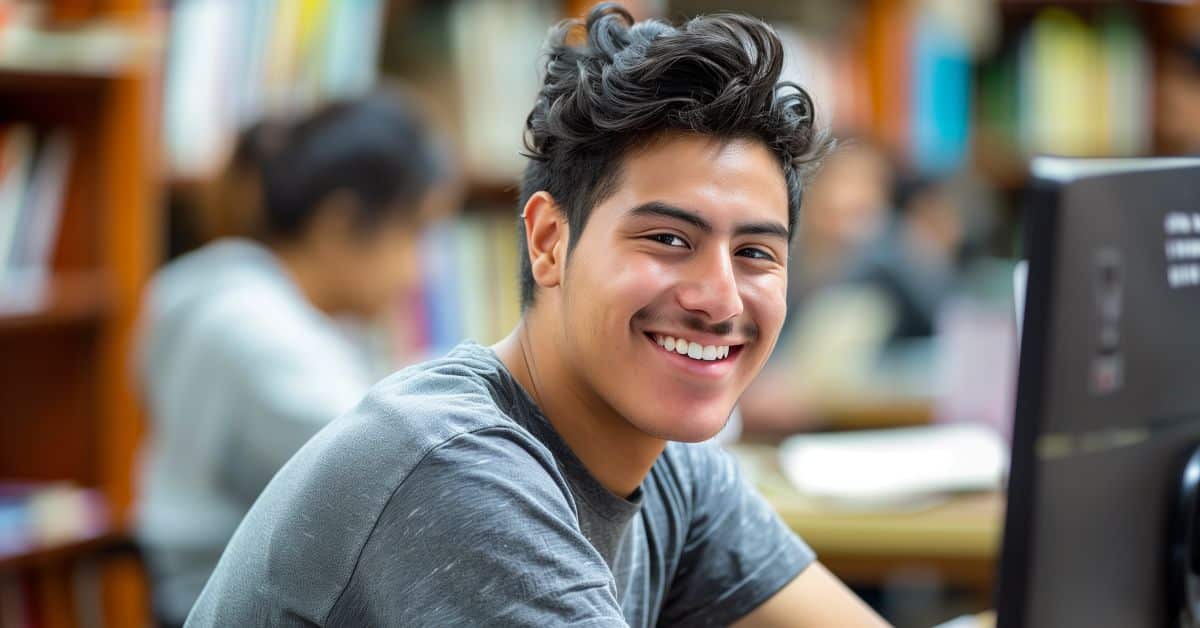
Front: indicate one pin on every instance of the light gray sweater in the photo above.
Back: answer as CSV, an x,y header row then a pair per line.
x,y
238,370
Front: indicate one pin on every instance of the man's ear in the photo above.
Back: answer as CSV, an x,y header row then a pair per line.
x,y
546,237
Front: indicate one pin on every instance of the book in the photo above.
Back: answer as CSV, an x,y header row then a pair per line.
x,y
470,284
16,159
1060,84
441,292
42,207
354,40
888,43
196,111
1129,90
941,95
506,270
496,51
473,281
231,63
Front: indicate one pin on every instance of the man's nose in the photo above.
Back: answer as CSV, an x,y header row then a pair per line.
x,y
711,288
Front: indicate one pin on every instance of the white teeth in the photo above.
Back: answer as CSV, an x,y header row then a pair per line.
x,y
693,350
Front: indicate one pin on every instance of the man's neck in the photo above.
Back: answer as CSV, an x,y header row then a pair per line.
x,y
615,452
306,274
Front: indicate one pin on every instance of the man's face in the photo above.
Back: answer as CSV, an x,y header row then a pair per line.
x,y
690,252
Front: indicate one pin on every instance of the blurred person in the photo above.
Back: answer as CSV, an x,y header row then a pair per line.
x,y
558,477
884,303
845,208
230,203
913,263
241,362
1179,97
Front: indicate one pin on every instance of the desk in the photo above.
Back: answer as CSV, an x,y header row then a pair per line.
x,y
960,538
859,413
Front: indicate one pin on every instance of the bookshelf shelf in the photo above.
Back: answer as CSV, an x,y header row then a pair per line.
x,y
92,49
56,553
24,78
20,76
79,298
480,191
90,533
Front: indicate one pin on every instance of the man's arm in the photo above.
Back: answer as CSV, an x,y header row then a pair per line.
x,y
816,598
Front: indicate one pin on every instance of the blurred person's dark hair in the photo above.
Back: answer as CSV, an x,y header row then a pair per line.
x,y
256,143
238,206
376,148
631,83
910,187
1187,51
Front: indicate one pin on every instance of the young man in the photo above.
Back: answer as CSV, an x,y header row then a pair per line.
x,y
241,362
539,482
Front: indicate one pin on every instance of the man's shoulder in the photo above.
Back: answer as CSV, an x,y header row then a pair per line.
x,y
408,415
429,403
688,474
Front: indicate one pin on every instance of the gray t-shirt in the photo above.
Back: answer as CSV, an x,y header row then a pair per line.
x,y
447,499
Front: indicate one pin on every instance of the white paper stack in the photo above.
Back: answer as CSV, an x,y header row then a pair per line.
x,y
895,467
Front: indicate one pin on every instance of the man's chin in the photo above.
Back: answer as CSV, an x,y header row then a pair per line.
x,y
689,429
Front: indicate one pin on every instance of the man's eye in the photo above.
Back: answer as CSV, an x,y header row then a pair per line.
x,y
668,239
756,253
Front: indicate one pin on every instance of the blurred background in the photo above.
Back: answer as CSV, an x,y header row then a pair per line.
x,y
119,121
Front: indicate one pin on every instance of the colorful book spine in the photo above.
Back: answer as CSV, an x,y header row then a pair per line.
x,y
941,96
230,63
470,282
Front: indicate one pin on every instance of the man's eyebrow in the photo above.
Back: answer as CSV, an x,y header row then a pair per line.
x,y
659,208
763,228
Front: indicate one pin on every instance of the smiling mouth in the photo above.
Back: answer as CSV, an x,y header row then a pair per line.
x,y
695,350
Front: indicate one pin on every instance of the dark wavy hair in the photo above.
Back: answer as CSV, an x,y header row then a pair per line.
x,y
629,83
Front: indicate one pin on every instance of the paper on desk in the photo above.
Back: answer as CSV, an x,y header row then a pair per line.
x,y
884,468
985,620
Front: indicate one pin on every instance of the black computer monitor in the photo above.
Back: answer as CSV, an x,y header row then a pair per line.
x,y
1108,397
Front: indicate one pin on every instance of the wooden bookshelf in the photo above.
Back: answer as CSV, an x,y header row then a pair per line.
x,y
70,299
51,555
68,410
481,191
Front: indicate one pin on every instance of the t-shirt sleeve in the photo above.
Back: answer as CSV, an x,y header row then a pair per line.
x,y
480,533
738,552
